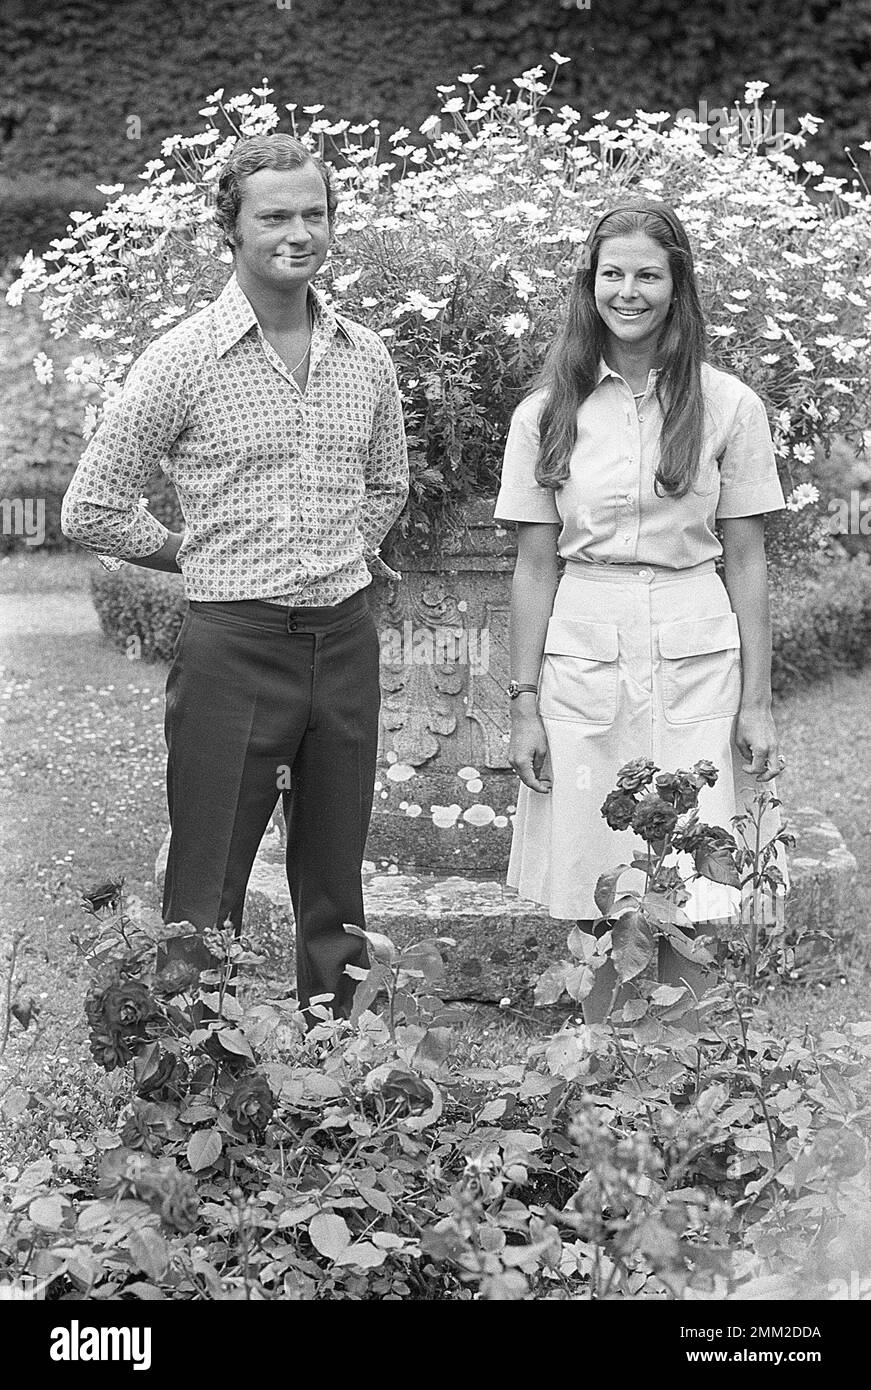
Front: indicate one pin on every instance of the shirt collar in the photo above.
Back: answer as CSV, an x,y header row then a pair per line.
x,y
605,370
233,316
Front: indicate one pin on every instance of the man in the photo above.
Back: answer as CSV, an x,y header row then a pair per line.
x,y
279,422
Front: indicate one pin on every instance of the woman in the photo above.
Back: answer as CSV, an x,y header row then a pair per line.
x,y
621,461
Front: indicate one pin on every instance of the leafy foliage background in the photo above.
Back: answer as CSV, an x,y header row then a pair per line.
x,y
75,71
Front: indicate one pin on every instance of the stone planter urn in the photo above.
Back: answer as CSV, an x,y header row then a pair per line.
x,y
445,792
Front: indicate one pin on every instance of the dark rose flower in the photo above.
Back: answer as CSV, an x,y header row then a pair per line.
x,y
158,1182
707,837
106,894
177,1203
176,977
25,1010
109,1052
618,808
137,1134
680,789
686,792
706,771
251,1104
637,775
666,786
406,1087
121,1018
168,1082
654,819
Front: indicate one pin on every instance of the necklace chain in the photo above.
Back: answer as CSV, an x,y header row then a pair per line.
x,y
308,349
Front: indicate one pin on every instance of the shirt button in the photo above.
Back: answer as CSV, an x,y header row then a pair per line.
x,y
291,627
641,417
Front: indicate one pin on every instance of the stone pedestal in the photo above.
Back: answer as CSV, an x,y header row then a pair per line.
x,y
445,791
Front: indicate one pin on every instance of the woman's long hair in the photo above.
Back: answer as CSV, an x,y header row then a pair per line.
x,y
570,370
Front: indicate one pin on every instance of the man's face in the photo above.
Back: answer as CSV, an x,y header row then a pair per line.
x,y
282,234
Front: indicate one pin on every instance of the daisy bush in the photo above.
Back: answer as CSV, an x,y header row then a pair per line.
x,y
456,244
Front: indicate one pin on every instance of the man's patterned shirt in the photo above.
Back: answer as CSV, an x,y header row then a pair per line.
x,y
284,492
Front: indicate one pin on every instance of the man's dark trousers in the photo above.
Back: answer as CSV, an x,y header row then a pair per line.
x,y
257,696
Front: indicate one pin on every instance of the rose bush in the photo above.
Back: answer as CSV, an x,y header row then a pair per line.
x,y
456,245
682,1150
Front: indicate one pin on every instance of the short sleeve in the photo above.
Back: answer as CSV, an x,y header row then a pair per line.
x,y
520,497
749,483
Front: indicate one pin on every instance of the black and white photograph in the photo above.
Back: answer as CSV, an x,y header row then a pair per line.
x,y
435,596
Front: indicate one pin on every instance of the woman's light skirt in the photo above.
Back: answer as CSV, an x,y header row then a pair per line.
x,y
639,661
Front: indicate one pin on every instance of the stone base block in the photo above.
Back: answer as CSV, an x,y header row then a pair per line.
x,y
503,941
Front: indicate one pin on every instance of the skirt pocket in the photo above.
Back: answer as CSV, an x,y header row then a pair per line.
x,y
700,665
579,671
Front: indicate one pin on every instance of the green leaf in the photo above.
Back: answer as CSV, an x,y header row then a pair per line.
x,y
717,865
668,994
493,1111
579,981
233,1041
146,1063
93,1216
388,1240
362,1255
633,946
606,889
582,944
294,1215
47,1212
150,1251
550,984
381,948
106,1139
203,1149
433,1048
659,909
368,990
329,1234
377,1199
15,1102
423,958
633,1009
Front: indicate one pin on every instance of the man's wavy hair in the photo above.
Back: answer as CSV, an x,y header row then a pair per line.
x,y
255,152
570,369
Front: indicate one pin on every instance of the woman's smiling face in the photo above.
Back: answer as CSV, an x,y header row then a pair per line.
x,y
633,288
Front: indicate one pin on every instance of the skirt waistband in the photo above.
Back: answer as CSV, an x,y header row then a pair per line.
x,y
641,574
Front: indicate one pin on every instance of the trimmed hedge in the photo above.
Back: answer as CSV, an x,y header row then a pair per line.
x,y
145,605
33,211
29,485
821,623
96,88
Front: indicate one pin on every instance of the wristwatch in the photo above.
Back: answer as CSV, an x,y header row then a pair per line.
x,y
514,689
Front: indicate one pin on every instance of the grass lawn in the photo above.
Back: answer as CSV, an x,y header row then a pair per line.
x,y
84,801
